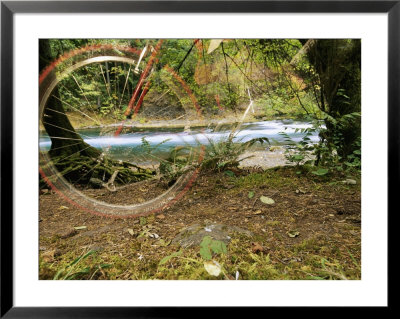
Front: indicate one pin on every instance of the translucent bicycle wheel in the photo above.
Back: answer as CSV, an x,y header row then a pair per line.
x,y
97,150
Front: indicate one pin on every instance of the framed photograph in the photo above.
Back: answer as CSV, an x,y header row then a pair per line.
x,y
158,155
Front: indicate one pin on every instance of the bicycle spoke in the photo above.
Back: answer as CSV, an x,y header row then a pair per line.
x,y
83,93
105,82
126,82
65,138
80,88
92,169
76,152
62,113
83,113
60,147
64,129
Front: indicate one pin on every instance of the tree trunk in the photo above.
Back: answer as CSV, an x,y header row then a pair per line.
x,y
64,140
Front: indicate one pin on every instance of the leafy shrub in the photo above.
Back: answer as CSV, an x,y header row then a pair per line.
x,y
225,153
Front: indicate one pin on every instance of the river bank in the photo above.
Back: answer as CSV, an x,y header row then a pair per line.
x,y
92,121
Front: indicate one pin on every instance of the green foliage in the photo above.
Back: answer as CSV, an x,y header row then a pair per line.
x,y
333,150
179,159
224,153
328,152
299,153
75,270
169,257
321,172
209,246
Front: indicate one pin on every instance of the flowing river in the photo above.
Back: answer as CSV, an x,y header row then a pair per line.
x,y
128,145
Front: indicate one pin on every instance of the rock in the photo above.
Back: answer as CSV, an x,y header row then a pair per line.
x,y
69,232
349,182
95,183
194,234
96,248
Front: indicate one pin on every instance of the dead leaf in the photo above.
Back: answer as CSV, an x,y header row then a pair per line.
x,y
80,227
258,212
161,216
267,200
63,207
214,44
212,267
300,190
49,255
293,233
256,248
130,231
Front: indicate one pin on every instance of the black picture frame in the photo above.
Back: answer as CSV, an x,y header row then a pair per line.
x,y
9,8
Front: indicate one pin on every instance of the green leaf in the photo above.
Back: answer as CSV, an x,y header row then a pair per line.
x,y
205,253
230,173
165,259
298,157
350,164
321,172
218,247
58,274
143,221
90,252
251,194
206,241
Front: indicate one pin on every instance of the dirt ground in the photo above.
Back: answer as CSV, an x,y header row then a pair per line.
x,y
312,231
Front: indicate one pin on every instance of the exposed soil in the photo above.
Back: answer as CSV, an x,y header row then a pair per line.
x,y
324,215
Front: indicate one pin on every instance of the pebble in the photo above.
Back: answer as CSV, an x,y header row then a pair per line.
x,y
349,182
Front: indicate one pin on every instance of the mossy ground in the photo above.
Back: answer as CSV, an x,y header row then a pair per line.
x,y
325,212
